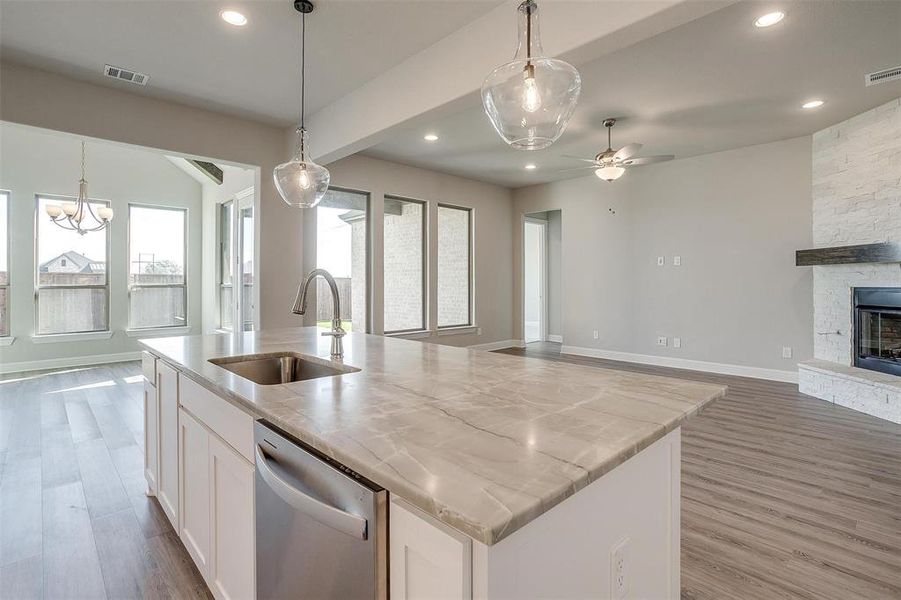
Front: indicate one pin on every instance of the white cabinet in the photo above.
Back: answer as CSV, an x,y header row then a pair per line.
x,y
428,559
193,448
167,482
151,437
217,509
233,557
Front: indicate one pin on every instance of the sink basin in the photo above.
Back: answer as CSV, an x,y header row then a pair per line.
x,y
281,367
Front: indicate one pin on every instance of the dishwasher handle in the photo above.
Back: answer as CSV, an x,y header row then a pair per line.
x,y
345,522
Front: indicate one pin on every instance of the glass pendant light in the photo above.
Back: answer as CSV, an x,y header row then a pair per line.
x,y
531,99
300,181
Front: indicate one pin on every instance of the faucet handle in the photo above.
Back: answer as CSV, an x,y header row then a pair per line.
x,y
339,333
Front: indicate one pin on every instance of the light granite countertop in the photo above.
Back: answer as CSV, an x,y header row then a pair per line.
x,y
484,442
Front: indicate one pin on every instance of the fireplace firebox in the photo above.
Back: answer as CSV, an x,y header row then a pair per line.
x,y
877,329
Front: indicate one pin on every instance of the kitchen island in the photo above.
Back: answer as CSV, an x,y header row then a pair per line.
x,y
552,480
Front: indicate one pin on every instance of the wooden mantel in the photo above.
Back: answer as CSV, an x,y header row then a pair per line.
x,y
886,252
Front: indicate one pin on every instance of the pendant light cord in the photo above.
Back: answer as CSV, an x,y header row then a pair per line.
x,y
303,65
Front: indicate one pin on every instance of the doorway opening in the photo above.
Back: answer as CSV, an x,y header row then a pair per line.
x,y
542,278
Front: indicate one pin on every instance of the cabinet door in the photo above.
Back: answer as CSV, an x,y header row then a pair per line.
x,y
232,558
151,437
194,532
428,559
167,395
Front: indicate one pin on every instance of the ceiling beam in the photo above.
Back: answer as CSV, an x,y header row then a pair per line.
x,y
447,76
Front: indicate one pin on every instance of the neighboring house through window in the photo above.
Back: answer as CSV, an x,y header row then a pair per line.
x,y
72,283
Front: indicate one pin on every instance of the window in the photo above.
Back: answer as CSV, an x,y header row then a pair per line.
x,y
4,264
454,266
226,295
404,259
71,297
341,242
156,267
247,275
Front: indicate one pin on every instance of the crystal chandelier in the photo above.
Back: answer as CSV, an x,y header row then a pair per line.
x,y
531,99
300,181
79,216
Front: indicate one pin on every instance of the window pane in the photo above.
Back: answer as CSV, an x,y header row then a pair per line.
x,y
247,274
156,239
453,266
341,250
404,269
226,307
68,310
67,258
157,307
4,264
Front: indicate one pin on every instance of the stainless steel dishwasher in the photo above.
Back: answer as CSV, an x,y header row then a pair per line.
x,y
321,529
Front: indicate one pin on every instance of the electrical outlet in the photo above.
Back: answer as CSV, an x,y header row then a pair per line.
x,y
596,334
677,261
677,342
478,331
661,341
661,260
619,574
786,352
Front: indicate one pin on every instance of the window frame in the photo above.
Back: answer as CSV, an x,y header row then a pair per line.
x,y
367,318
425,266
6,286
130,286
37,265
470,245
220,263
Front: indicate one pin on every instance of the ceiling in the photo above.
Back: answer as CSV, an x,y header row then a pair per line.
x,y
193,57
713,84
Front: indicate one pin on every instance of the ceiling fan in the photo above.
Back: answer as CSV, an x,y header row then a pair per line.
x,y
610,164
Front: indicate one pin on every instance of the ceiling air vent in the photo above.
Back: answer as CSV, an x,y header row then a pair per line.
x,y
893,74
125,75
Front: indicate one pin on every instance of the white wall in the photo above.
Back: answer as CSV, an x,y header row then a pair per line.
x,y
735,218
492,228
34,161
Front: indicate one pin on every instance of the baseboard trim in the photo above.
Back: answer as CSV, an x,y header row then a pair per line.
x,y
69,361
555,338
499,345
684,363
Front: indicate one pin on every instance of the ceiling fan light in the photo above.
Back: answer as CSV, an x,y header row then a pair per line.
x,y
300,181
610,172
530,100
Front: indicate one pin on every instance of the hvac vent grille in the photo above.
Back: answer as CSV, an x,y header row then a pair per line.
x,y
893,74
126,75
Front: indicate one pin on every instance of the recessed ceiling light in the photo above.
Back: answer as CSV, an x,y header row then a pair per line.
x,y
430,137
813,104
233,17
530,167
769,19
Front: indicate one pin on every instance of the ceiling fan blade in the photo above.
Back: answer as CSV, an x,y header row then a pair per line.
x,y
588,160
578,168
627,151
645,160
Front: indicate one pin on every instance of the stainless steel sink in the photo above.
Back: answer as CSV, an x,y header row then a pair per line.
x,y
281,367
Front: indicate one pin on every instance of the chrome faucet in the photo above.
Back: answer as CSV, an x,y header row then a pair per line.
x,y
300,307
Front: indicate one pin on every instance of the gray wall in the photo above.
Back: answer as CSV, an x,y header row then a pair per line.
x,y
554,273
734,217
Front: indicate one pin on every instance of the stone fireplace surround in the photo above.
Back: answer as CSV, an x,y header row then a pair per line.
x,y
856,200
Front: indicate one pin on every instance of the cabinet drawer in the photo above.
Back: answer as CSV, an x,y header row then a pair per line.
x,y
228,422
148,365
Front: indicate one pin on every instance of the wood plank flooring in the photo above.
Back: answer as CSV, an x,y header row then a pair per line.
x,y
74,519
783,495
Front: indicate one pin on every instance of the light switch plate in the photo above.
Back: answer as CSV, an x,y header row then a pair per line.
x,y
677,342
596,335
661,341
677,261
786,352
661,260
